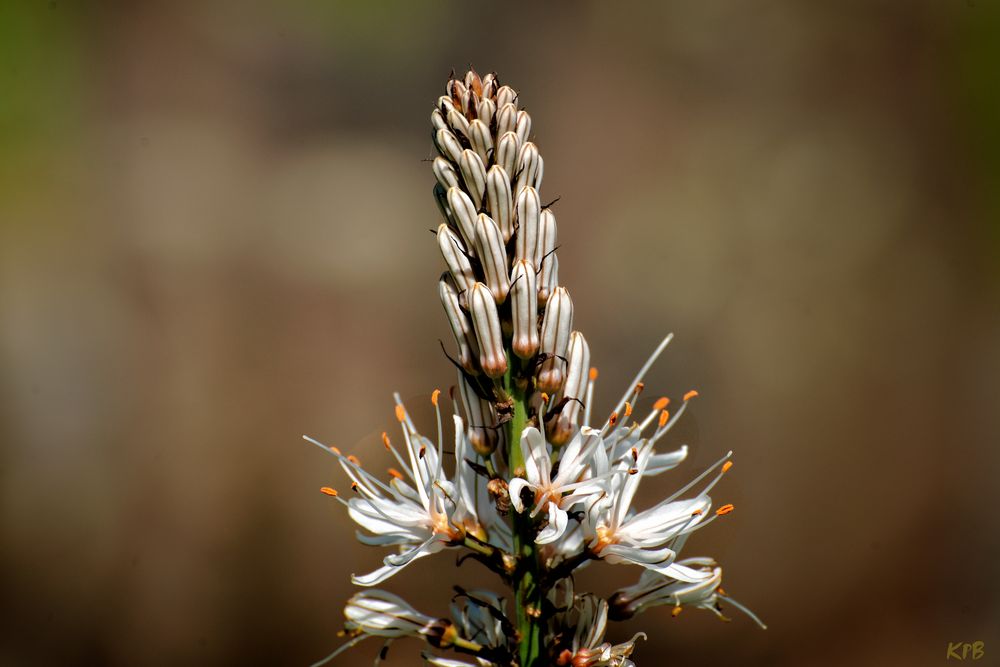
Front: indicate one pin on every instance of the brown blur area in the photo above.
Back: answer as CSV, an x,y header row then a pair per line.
x,y
213,239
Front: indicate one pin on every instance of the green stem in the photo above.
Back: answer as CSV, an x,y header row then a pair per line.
x,y
527,593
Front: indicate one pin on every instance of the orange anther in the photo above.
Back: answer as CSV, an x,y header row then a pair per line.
x,y
354,486
593,374
639,386
395,473
434,396
335,451
328,491
726,466
613,419
354,459
385,440
725,509
676,611
400,413
635,454
691,394
721,592
423,450
633,471
628,409
698,512
661,403
545,397
664,418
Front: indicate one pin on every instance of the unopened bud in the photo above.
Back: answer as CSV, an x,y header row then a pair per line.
x,y
473,174
508,149
548,279
463,213
445,173
528,211
454,256
493,255
489,85
524,310
556,326
506,95
458,123
486,110
523,126
437,120
529,167
447,145
499,201
465,337
562,428
480,418
473,82
506,119
480,138
546,244
486,323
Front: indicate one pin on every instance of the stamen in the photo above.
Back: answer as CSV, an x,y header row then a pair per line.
x,y
422,452
328,491
385,441
645,368
661,403
593,374
354,487
628,409
676,611
434,396
354,459
400,413
725,509
395,473
613,419
664,418
726,466
691,394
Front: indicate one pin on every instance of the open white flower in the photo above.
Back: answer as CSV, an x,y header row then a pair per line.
x,y
589,619
419,511
573,482
654,589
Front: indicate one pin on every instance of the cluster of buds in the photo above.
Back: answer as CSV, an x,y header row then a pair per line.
x,y
537,488
509,315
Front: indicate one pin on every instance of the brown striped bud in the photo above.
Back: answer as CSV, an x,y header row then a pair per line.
x,y
548,279
480,419
546,244
529,168
506,95
486,324
481,139
499,201
523,126
490,85
554,340
474,175
524,309
465,337
493,255
437,120
487,109
528,211
447,145
506,119
463,214
454,256
562,428
445,173
508,149
458,123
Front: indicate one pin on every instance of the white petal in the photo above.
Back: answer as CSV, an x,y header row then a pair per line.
x,y
515,487
558,520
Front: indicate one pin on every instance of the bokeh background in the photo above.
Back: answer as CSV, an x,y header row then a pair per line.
x,y
213,239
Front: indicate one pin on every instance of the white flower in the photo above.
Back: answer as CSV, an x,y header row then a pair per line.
x,y
589,619
572,483
655,589
419,511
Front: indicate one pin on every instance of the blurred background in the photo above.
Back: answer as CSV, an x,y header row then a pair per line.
x,y
213,239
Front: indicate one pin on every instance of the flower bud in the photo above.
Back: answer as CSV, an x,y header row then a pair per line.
x,y
486,323
480,138
562,428
508,148
377,612
437,120
548,279
529,167
454,256
523,126
506,119
458,123
554,340
480,418
524,309
447,145
499,201
461,327
528,213
493,255
473,82
506,95
490,85
487,109
445,173
546,245
473,174
463,214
